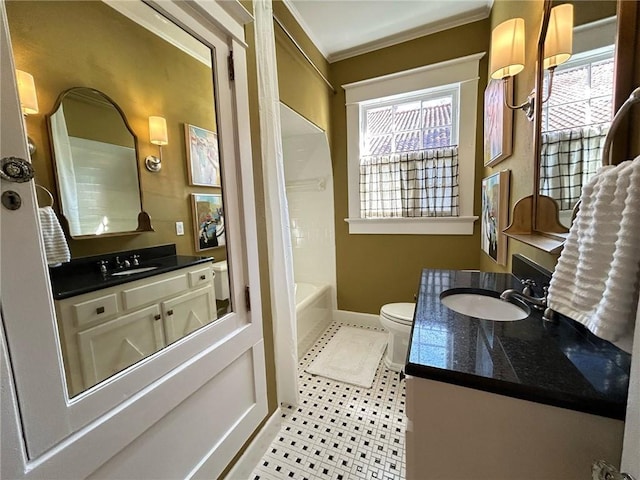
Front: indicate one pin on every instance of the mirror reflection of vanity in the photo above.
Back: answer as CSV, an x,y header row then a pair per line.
x,y
123,297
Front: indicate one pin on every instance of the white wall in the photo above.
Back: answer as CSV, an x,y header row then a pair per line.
x,y
309,182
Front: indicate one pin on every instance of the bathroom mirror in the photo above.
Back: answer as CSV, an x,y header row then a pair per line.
x,y
117,64
96,167
575,117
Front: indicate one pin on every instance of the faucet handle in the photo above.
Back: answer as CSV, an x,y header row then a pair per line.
x,y
135,259
528,284
103,266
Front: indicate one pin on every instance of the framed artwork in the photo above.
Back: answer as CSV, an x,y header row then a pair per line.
x,y
495,215
203,158
208,220
498,122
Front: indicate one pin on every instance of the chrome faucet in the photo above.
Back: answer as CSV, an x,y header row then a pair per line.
x,y
539,303
121,265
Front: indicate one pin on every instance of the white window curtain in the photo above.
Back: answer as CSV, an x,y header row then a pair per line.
x,y
568,159
422,183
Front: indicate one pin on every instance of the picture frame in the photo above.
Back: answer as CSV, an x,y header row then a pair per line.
x,y
203,156
208,221
498,122
495,215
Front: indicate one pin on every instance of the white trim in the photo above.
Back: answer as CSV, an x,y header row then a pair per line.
x,y
594,35
415,79
429,29
252,455
45,434
356,318
462,71
412,226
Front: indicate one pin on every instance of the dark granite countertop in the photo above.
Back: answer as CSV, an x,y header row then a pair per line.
x,y
83,275
559,364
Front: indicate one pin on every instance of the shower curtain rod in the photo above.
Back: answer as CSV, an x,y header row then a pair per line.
x,y
293,40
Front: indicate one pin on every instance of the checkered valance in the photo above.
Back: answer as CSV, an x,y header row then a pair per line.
x,y
568,159
422,183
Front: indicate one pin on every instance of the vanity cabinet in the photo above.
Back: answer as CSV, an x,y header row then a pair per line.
x,y
455,432
105,331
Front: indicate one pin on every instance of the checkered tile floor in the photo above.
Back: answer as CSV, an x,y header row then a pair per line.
x,y
339,431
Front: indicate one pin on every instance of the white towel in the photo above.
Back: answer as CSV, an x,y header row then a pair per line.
x,y
596,279
55,244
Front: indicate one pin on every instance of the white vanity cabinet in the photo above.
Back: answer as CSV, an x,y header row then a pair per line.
x,y
455,432
105,331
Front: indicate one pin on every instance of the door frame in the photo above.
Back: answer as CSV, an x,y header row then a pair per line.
x,y
44,432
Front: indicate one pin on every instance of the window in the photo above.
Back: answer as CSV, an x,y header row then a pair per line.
x,y
411,150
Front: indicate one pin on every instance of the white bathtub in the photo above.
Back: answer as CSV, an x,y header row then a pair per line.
x,y
313,314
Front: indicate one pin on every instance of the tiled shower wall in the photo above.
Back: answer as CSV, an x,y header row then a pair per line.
x,y
309,182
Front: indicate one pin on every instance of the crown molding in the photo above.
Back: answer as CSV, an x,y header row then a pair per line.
x,y
445,24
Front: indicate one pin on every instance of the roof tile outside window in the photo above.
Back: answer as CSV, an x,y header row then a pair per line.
x,y
409,126
581,96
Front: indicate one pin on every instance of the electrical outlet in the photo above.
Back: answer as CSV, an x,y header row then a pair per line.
x,y
179,228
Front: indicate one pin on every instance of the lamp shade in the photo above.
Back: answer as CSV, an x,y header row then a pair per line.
x,y
558,45
507,49
27,92
158,131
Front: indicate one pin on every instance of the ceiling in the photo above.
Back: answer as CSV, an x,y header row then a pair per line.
x,y
345,28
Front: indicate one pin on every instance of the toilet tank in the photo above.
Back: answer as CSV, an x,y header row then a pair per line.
x,y
221,280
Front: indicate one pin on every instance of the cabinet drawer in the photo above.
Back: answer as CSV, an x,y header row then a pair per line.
x,y
151,292
95,309
200,277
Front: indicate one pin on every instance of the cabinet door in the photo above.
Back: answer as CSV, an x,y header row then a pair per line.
x,y
186,313
111,347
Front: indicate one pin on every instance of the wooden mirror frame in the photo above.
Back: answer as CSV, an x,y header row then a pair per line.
x,y
535,219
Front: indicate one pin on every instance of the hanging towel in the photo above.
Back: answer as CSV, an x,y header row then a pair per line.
x,y
55,244
596,279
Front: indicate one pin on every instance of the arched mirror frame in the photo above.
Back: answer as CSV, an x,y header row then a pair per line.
x,y
144,221
535,219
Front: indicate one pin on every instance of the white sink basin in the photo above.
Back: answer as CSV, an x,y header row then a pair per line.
x,y
483,304
132,271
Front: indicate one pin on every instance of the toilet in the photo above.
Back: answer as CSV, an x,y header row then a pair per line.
x,y
397,318
221,280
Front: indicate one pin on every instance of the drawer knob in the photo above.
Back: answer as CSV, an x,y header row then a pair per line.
x,y
169,312
203,277
99,310
157,317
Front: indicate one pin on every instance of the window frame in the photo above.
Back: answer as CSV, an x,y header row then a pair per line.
x,y
462,71
420,96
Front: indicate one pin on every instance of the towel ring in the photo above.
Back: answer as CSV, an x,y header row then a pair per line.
x,y
48,193
606,149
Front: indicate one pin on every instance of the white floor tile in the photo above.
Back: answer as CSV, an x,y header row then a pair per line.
x,y
339,431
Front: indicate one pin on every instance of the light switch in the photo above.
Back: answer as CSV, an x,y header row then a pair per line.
x,y
179,228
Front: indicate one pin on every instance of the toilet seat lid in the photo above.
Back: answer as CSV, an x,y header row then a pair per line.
x,y
399,312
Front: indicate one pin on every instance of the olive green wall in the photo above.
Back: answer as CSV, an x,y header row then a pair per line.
x,y
521,162
300,86
144,75
376,269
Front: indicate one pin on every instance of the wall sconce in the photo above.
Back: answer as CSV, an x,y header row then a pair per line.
x,y
507,50
28,100
157,136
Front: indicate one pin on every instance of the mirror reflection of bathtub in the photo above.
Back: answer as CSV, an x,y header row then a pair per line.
x,y
313,313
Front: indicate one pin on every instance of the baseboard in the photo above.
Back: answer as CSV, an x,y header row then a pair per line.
x,y
356,318
256,449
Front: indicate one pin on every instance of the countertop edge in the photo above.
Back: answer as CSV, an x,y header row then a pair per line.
x,y
519,391
115,281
